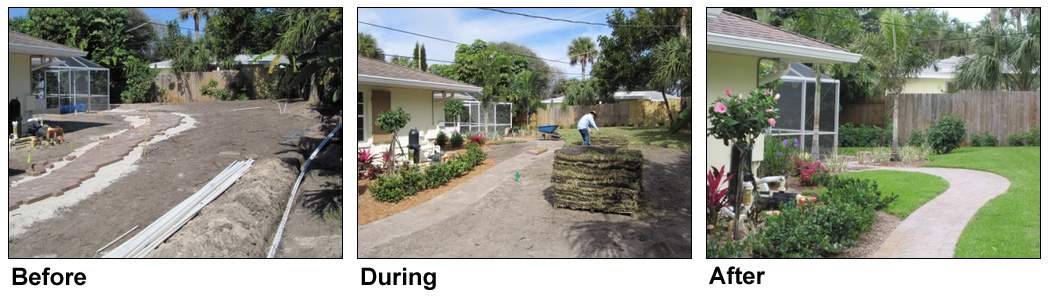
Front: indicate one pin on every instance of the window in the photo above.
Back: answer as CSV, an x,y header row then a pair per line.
x,y
359,119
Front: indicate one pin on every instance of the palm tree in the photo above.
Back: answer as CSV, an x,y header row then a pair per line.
x,y
673,70
368,46
196,13
582,51
1003,57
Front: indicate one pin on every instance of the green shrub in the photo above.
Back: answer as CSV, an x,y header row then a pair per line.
x,y
985,139
139,79
1017,139
393,121
917,138
851,135
441,139
457,140
405,182
845,210
945,135
777,159
212,89
1034,136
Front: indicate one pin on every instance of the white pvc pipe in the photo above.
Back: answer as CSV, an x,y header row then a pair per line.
x,y
293,194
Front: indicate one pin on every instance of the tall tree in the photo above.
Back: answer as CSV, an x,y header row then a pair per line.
x,y
367,46
197,14
895,59
313,41
420,60
1003,56
582,51
627,59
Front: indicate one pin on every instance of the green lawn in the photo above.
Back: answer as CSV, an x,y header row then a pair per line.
x,y
912,188
850,151
1009,225
636,136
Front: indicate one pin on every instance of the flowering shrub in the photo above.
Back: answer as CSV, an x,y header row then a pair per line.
x,y
810,173
715,193
778,157
742,118
478,139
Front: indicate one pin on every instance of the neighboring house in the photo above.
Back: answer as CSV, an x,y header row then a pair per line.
x,y
938,77
21,50
622,96
735,44
382,87
241,59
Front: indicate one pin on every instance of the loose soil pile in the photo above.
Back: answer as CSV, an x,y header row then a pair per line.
x,y
241,221
595,178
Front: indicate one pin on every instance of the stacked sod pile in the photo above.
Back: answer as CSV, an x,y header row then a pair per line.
x,y
603,140
597,178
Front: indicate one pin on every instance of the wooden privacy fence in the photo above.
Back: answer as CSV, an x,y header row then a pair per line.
x,y
627,113
1000,113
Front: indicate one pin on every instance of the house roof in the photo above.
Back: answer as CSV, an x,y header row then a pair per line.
x,y
946,68
732,33
648,95
371,71
25,44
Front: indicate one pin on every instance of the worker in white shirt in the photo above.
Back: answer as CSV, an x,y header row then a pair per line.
x,y
585,123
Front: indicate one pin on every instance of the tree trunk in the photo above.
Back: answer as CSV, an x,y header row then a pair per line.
x,y
670,114
736,186
313,92
894,156
815,150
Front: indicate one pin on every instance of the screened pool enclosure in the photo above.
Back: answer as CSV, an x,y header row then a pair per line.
x,y
492,118
71,84
797,93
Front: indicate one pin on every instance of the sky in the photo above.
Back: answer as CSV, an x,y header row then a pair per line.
x,y
159,15
969,15
548,39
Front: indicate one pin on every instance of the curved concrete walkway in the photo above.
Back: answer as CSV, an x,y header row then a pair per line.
x,y
934,228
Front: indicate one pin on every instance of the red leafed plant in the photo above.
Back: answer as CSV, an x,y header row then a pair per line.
x,y
716,178
478,139
808,172
365,164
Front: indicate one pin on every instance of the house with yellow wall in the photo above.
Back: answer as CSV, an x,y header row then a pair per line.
x,y
382,87
735,45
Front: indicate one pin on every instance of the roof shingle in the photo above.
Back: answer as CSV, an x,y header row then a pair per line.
x,y
24,39
735,25
372,67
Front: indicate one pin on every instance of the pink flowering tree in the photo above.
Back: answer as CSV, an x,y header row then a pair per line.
x,y
738,120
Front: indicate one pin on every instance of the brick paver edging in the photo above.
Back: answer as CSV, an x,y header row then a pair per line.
x,y
84,167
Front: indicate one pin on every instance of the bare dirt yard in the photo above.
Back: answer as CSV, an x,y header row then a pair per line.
x,y
171,170
494,216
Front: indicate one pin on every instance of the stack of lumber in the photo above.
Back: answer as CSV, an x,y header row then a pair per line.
x,y
597,178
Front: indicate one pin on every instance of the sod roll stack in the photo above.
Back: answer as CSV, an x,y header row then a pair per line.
x,y
597,178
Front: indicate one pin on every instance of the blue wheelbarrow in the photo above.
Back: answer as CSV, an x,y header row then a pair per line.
x,y
549,130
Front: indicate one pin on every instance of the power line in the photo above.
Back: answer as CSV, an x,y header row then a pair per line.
x,y
570,21
456,42
452,62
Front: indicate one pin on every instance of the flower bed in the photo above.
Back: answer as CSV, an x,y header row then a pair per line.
x,y
406,181
843,211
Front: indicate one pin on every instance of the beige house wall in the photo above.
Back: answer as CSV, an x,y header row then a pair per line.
x,y
19,84
740,74
425,113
